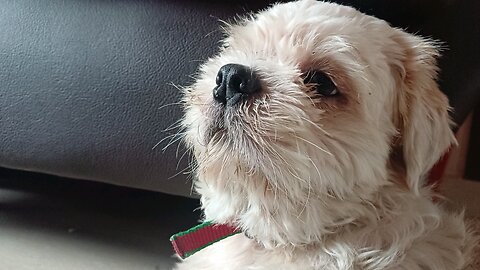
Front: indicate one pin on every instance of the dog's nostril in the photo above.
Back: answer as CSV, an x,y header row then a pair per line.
x,y
218,79
234,82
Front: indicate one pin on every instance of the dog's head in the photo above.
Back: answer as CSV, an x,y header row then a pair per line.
x,y
306,112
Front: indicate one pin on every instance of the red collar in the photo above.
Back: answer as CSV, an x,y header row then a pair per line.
x,y
199,237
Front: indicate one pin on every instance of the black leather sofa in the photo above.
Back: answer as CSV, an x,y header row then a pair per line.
x,y
87,86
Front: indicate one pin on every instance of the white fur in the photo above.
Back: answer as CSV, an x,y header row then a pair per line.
x,y
324,183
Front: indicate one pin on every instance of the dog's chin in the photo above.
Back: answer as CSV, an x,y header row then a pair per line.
x,y
229,129
216,126
243,184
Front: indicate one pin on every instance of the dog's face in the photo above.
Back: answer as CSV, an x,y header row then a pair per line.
x,y
306,112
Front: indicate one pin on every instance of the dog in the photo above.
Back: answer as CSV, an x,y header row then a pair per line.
x,y
313,130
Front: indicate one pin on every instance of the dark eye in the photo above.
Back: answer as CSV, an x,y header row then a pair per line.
x,y
322,84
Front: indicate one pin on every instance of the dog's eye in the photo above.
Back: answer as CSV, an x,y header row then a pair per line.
x,y
322,84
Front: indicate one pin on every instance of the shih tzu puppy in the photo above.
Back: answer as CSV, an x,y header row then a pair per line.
x,y
313,130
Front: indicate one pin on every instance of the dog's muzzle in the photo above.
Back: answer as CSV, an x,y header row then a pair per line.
x,y
234,83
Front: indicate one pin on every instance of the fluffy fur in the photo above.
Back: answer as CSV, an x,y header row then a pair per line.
x,y
324,182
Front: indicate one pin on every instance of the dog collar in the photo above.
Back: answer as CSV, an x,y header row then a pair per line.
x,y
199,237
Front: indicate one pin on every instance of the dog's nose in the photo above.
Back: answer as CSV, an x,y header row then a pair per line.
x,y
235,82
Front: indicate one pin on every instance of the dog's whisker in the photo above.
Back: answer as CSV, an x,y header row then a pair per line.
x,y
173,140
306,202
314,145
181,157
169,105
183,171
167,138
317,126
175,125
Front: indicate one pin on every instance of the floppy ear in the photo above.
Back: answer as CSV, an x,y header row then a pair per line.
x,y
420,109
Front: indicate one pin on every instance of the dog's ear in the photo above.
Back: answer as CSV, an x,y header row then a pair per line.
x,y
420,109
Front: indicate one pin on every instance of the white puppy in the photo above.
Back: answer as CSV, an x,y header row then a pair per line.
x,y
313,130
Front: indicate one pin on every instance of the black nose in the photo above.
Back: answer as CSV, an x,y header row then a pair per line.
x,y
235,82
